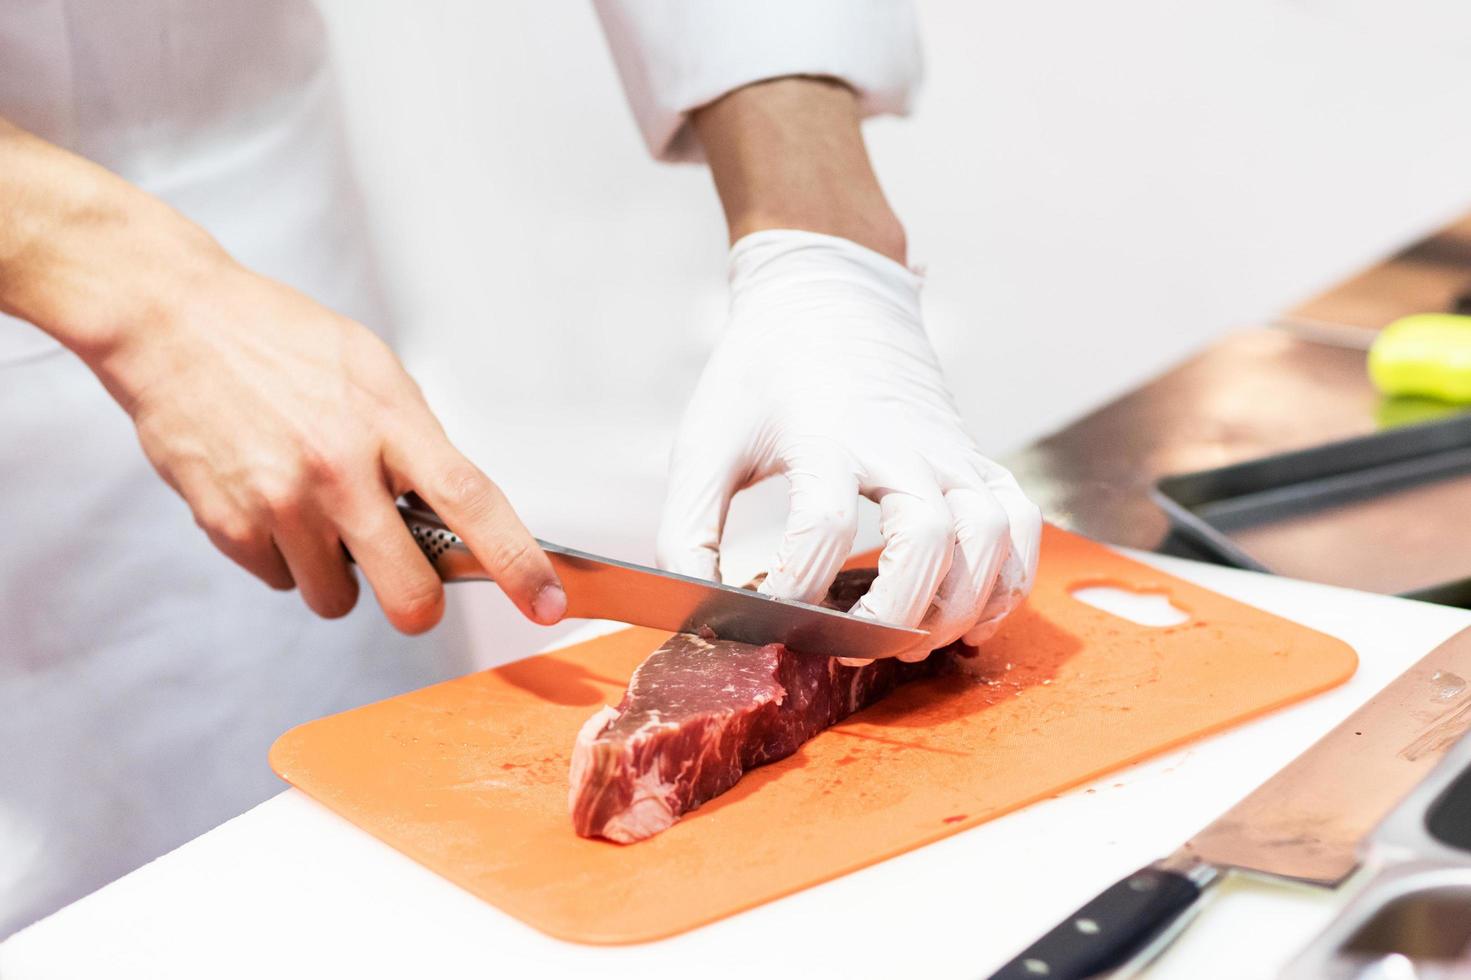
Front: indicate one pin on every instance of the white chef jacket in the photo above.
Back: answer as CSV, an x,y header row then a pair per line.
x,y
142,675
675,56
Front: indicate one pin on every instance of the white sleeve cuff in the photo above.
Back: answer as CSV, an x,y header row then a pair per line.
x,y
677,55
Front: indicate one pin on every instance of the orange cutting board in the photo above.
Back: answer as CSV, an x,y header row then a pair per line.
x,y
469,777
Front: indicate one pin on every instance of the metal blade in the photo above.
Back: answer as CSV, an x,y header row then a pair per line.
x,y
605,588
1307,820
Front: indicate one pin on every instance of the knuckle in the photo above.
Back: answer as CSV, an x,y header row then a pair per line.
x,y
326,469
838,524
513,556
837,519
419,607
464,488
931,526
234,533
206,521
982,631
282,505
281,496
986,521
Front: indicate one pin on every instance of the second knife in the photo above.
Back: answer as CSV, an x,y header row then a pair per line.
x,y
1304,824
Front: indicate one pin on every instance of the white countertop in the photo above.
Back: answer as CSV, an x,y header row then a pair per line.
x,y
289,889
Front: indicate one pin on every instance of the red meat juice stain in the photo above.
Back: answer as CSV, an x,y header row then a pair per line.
x,y
955,819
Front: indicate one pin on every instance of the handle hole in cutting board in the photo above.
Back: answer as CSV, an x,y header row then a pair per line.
x,y
1142,608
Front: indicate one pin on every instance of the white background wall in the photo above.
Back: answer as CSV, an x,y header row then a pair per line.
x,y
1095,189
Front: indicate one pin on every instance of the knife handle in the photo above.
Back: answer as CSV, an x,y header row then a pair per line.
x,y
447,553
1111,929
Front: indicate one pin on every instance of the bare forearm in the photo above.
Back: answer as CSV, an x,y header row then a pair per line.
x,y
789,153
84,255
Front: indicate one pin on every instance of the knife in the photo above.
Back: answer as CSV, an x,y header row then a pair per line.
x,y
1304,824
603,588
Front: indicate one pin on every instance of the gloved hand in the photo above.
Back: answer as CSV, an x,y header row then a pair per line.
x,y
825,375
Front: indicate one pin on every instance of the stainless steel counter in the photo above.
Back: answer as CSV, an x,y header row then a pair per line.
x,y
1298,383
1252,393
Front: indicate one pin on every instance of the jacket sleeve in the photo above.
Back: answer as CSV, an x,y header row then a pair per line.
x,y
677,55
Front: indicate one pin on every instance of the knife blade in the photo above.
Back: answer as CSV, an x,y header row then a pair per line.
x,y
1303,824
605,588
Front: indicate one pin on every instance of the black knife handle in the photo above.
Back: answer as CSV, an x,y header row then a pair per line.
x,y
1107,932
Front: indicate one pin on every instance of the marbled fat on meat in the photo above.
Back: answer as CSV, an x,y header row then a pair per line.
x,y
699,713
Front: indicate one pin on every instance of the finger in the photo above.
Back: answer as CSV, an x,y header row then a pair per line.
x,y
1023,518
1010,590
255,552
982,544
245,541
700,489
821,524
472,506
919,543
313,552
1019,570
407,587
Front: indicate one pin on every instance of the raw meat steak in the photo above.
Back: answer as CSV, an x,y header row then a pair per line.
x,y
700,712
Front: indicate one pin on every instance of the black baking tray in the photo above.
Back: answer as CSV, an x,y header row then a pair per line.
x,y
1388,512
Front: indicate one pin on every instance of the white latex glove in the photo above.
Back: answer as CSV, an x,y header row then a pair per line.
x,y
825,375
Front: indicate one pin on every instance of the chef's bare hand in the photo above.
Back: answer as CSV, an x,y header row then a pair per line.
x,y
291,430
288,429
825,375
